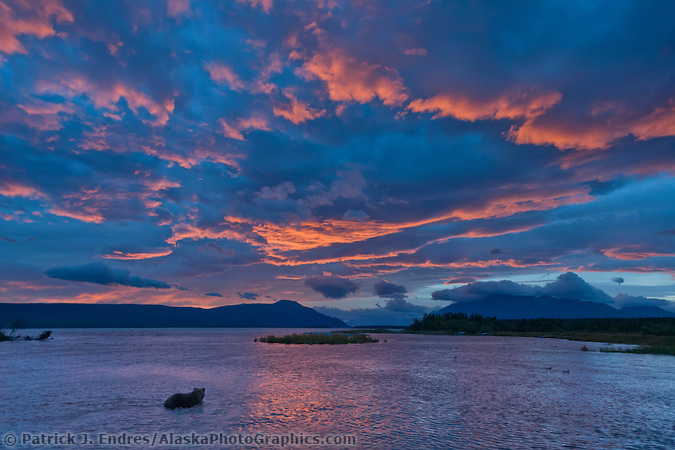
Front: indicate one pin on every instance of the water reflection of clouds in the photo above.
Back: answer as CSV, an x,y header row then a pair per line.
x,y
315,389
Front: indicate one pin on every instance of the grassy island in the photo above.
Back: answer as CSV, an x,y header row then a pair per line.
x,y
316,338
652,335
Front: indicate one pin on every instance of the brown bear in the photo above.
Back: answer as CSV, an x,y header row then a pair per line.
x,y
185,400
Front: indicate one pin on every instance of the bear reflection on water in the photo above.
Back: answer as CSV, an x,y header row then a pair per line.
x,y
185,400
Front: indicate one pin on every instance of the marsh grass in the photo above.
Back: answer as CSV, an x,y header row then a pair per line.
x,y
640,350
314,338
652,350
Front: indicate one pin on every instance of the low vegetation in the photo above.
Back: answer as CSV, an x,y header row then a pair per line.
x,y
316,338
652,335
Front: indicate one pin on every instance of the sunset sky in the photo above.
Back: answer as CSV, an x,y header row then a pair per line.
x,y
210,153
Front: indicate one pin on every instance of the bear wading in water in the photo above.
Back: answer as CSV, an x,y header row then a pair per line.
x,y
185,400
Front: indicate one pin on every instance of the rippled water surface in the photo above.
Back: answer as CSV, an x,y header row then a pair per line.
x,y
409,392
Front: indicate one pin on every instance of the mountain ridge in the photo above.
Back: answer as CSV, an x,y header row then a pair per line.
x,y
504,306
281,314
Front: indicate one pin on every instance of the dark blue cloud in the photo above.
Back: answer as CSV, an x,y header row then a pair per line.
x,y
99,273
248,295
332,286
385,289
567,285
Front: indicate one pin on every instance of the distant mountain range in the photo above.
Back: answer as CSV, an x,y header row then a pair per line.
x,y
282,314
528,307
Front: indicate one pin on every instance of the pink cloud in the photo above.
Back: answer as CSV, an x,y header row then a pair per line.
x,y
233,129
659,123
88,215
43,115
265,5
350,80
176,8
108,96
298,111
13,189
223,73
512,105
415,51
38,22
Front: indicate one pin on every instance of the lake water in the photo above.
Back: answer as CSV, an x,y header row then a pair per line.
x,y
409,392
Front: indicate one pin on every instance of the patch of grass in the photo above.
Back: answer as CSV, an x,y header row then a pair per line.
x,y
641,350
370,330
655,350
313,338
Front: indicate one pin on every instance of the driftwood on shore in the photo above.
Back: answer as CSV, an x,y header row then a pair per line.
x,y
42,337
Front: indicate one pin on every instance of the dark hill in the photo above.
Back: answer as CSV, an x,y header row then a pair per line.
x,y
528,307
282,314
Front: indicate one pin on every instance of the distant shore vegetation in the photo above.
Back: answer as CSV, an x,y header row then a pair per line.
x,y
319,338
651,335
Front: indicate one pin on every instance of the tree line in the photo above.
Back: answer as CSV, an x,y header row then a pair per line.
x,y
478,324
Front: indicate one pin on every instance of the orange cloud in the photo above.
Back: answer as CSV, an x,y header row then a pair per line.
x,y
632,253
596,132
519,201
37,23
188,231
512,105
276,240
348,79
128,256
310,235
289,277
564,135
